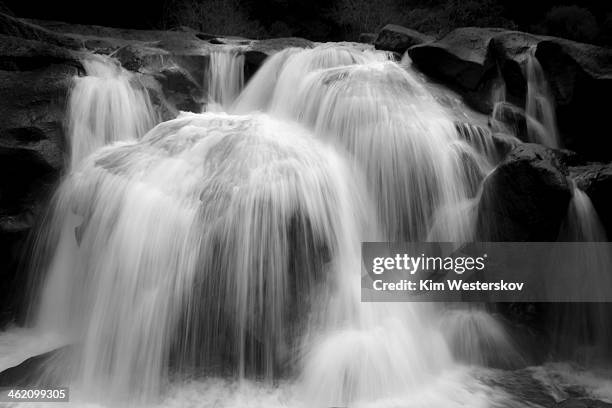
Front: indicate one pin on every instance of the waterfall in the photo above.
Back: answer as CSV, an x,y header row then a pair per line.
x,y
535,123
105,106
390,125
221,251
582,330
540,104
225,78
202,242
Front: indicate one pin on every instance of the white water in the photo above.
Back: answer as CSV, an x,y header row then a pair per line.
x,y
540,105
538,115
225,78
215,262
105,106
582,331
387,121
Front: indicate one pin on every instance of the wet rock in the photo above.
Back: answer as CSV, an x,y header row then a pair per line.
x,y
35,78
596,181
398,39
460,58
582,403
16,27
508,118
580,77
525,198
470,60
367,38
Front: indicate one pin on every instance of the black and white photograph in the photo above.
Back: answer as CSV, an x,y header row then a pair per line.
x,y
306,204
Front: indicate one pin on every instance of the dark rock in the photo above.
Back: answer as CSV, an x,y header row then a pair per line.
x,y
398,39
525,198
596,181
367,38
28,372
508,118
256,54
580,77
140,57
510,50
582,403
180,88
459,58
32,145
16,27
471,60
19,54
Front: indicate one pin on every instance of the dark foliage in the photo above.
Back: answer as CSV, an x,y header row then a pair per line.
x,y
324,20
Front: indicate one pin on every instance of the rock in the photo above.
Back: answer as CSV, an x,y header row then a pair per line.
x,y
16,27
596,181
19,54
460,58
510,51
580,77
35,78
139,58
398,39
367,38
525,198
510,119
470,61
28,372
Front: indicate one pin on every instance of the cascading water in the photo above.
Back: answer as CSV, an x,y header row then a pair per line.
x,y
198,244
540,104
538,118
225,78
222,247
582,331
389,123
107,105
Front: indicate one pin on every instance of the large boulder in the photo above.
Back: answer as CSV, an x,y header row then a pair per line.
x,y
580,77
398,39
525,198
461,60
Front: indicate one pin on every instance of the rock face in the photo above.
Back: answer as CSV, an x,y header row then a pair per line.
x,y
472,60
580,77
398,39
35,78
525,198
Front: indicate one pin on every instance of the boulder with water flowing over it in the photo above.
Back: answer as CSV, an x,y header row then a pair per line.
x,y
525,198
596,180
398,39
257,52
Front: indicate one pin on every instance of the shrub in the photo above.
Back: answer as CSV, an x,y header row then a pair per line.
x,y
222,17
